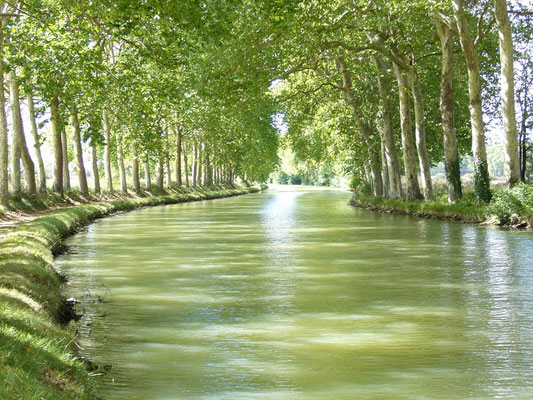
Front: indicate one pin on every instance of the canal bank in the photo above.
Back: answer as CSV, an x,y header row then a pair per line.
x,y
508,208
37,348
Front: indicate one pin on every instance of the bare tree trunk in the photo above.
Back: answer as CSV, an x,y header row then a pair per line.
x,y
385,171
19,139
207,170
408,142
420,134
147,176
178,156
121,166
200,164
512,166
58,146
107,154
194,163
96,173
37,143
135,173
4,184
168,174
16,184
523,135
481,171
186,168
451,154
82,175
66,173
160,179
395,188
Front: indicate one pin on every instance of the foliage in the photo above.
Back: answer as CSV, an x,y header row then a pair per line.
x,y
510,206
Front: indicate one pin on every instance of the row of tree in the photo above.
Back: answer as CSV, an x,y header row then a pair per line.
x,y
135,86
419,80
387,88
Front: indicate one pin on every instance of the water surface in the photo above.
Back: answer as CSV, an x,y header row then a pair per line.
x,y
295,295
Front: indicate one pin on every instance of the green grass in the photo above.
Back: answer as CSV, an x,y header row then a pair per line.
x,y
508,207
37,352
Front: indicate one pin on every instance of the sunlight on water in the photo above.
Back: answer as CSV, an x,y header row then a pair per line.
x,y
295,295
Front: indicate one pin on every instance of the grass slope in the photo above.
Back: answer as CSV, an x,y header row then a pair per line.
x,y
37,349
512,207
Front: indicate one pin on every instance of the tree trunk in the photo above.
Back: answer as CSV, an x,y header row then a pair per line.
x,y
200,164
16,184
194,164
82,175
121,166
364,131
66,173
420,134
207,170
385,171
168,174
408,142
395,184
58,147
160,173
178,156
451,154
186,168
37,143
481,171
147,176
19,139
4,184
512,166
96,173
523,136
135,173
107,154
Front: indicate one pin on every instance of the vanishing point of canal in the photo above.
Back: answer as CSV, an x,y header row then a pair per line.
x,y
296,295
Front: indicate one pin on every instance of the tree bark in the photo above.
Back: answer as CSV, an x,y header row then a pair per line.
x,y
66,173
512,166
135,173
82,175
37,143
160,173
194,163
481,171
178,156
96,174
107,154
147,176
451,154
420,134
121,166
387,134
4,184
57,145
19,140
16,184
408,142
200,164
186,167
385,171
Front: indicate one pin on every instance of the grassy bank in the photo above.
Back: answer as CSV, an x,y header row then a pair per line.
x,y
512,208
37,349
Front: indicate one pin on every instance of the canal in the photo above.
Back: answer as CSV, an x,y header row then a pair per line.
x,y
293,294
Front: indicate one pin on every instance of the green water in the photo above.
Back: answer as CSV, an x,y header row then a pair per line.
x,y
296,295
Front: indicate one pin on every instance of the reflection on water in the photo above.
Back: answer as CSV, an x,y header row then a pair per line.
x,y
295,295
